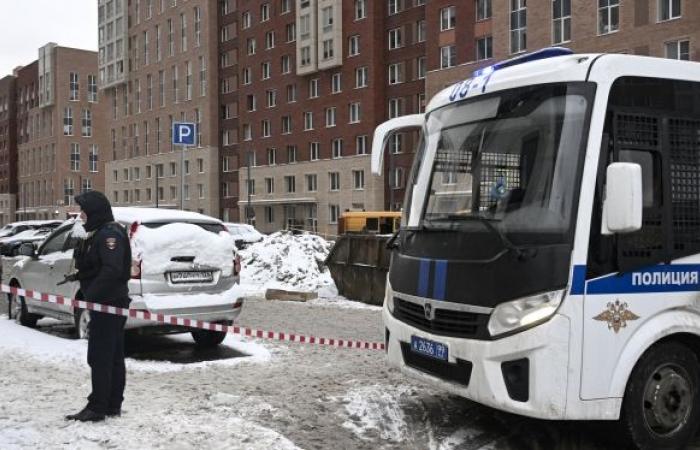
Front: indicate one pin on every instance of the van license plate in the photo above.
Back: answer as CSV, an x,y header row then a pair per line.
x,y
191,277
429,348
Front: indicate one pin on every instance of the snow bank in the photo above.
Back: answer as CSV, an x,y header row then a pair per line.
x,y
156,246
287,261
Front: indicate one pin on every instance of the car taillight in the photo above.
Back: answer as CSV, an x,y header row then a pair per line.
x,y
237,265
132,229
136,269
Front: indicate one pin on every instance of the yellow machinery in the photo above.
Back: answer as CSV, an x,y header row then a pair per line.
x,y
369,222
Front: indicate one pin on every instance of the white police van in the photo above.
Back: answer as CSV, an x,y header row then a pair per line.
x,y
548,259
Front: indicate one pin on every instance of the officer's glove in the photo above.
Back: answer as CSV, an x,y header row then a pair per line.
x,y
68,278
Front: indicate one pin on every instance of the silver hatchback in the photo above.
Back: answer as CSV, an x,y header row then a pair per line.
x,y
183,264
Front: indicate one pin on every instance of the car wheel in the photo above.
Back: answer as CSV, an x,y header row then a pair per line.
x,y
81,319
18,312
661,408
208,339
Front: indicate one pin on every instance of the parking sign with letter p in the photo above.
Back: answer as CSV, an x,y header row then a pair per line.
x,y
184,133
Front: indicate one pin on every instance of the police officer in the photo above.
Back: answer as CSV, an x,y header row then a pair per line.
x,y
103,261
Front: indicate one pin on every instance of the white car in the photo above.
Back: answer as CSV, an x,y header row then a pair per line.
x,y
243,234
183,264
11,229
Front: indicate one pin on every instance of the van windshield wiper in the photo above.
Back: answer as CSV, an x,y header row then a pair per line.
x,y
507,244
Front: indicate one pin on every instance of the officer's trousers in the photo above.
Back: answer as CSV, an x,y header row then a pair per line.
x,y
106,359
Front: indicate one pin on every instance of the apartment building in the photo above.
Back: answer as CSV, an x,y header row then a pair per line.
x,y
505,28
169,55
228,109
315,78
8,149
59,118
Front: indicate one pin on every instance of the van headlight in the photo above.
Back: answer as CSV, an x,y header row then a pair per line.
x,y
524,312
388,300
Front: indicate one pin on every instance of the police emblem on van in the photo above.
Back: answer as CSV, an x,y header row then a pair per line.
x,y
616,315
428,310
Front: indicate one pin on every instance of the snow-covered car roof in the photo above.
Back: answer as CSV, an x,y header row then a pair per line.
x,y
28,235
149,215
34,223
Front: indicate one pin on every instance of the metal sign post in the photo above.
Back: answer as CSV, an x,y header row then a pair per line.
x,y
185,135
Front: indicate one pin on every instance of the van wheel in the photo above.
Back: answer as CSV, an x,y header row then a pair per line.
x,y
208,339
18,312
661,408
81,319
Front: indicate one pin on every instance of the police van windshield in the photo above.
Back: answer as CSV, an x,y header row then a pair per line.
x,y
509,162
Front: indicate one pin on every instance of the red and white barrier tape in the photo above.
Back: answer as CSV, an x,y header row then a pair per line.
x,y
174,320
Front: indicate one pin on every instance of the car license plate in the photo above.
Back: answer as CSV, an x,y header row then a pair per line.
x,y
191,277
429,348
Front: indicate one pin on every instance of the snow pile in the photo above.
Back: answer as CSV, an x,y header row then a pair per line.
x,y
287,261
156,246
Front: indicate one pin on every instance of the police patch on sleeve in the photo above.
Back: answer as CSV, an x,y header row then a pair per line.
x,y
111,243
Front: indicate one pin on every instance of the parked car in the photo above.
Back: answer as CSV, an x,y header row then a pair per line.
x,y
244,234
14,228
10,245
183,264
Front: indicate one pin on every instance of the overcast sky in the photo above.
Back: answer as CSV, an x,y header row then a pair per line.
x,y
26,25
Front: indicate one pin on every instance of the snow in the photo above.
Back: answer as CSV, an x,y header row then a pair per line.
x,y
287,261
156,246
376,409
145,215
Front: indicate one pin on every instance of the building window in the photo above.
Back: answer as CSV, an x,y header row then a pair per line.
x,y
327,19
420,31
313,88
396,73
198,26
264,12
678,50
188,81
75,157
87,123
92,88
448,18
361,77
328,49
396,178
337,148
330,117
270,40
355,112
395,107
68,121
361,145
484,48
271,156
395,38
448,56
393,6
421,67
291,154
246,75
286,6
290,184
251,46
74,87
608,16
271,98
334,181
171,38
269,185
354,45
202,76
360,9
269,214
291,32
518,26
561,22
308,120
314,151
669,9
333,213
69,192
266,129
291,93
311,183
358,177
246,20
265,70
87,185
183,32
336,83
286,64
483,9
305,56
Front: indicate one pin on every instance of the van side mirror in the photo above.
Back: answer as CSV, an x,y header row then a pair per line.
x,y
622,211
26,249
384,131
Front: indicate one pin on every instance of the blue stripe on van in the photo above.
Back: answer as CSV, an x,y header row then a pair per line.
x,y
440,283
659,278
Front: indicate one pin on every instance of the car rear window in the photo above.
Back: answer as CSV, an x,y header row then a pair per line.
x,y
212,227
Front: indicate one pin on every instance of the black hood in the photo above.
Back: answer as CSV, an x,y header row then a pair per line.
x,y
97,209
